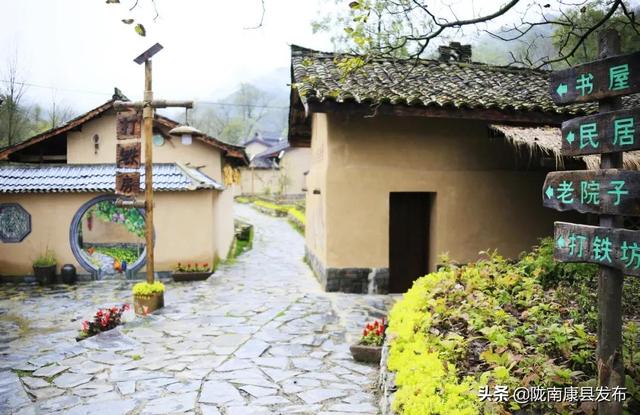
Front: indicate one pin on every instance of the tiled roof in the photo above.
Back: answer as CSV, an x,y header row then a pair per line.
x,y
318,78
262,163
96,178
275,150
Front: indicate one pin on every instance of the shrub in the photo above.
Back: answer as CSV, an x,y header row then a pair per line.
x,y
493,323
104,319
298,215
144,289
281,209
46,260
195,267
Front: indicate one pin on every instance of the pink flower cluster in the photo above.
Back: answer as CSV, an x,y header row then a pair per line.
x,y
104,319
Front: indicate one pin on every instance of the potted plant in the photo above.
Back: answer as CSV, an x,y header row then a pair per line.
x,y
147,297
369,348
44,268
104,319
191,272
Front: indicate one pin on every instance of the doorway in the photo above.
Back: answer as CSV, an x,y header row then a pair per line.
x,y
409,217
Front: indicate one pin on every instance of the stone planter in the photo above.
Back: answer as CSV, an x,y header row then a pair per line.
x,y
45,275
190,276
366,354
147,304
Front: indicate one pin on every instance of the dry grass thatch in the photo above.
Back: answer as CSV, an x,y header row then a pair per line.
x,y
547,141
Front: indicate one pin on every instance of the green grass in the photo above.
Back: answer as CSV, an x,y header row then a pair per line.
x,y
119,253
243,246
283,209
245,200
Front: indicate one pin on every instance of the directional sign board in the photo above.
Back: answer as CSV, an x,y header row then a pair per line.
x,y
605,192
129,125
616,248
612,77
606,132
127,184
128,155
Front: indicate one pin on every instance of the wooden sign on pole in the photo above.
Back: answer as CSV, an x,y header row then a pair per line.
x,y
611,191
128,155
127,184
616,248
607,132
605,78
128,125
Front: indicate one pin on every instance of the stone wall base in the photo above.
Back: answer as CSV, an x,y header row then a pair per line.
x,y
349,280
386,383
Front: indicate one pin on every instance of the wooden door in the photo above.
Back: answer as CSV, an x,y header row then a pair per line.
x,y
409,215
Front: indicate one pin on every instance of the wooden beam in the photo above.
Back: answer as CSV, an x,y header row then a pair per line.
x,y
523,118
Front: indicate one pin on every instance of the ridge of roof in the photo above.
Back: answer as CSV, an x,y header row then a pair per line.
x,y
230,150
20,178
297,50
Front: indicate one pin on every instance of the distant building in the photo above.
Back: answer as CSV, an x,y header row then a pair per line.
x,y
275,167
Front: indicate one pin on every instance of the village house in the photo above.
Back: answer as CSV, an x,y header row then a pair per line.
x,y
275,168
52,184
411,160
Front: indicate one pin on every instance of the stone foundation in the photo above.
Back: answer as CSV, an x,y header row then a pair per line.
x,y
386,383
349,280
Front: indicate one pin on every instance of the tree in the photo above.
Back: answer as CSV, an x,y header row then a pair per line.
x,y
241,115
58,113
14,117
414,25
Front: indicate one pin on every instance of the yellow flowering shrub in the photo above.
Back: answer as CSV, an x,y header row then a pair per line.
x,y
486,324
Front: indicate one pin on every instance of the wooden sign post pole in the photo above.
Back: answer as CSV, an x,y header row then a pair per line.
x,y
126,153
147,119
610,280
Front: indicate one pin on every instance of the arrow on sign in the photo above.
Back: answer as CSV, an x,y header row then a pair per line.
x,y
549,192
571,137
561,242
562,89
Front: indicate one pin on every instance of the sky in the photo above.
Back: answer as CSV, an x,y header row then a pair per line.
x,y
76,51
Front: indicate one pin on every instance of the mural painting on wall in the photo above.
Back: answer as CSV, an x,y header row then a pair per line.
x,y
111,238
15,222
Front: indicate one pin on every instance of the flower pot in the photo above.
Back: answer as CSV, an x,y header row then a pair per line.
x,y
147,304
367,354
190,276
45,274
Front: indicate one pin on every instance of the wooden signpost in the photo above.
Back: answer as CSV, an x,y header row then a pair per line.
x,y
610,192
586,135
135,121
610,77
604,192
128,154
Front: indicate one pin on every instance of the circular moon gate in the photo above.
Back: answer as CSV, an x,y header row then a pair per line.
x,y
76,226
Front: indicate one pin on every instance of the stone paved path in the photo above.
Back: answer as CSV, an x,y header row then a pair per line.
x,y
258,337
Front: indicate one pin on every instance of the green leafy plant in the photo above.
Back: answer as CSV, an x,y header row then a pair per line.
x,y
144,289
47,259
491,323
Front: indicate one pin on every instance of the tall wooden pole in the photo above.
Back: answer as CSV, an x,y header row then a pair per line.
x,y
147,115
609,352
